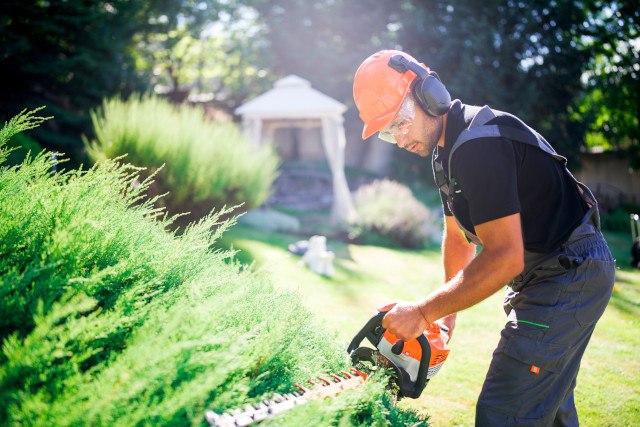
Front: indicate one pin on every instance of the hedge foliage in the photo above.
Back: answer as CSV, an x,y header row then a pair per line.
x,y
206,164
107,318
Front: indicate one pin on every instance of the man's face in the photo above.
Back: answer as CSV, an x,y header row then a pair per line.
x,y
423,135
413,130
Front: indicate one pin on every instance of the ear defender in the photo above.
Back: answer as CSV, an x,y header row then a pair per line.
x,y
428,90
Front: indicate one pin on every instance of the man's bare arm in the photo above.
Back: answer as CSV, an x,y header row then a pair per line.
x,y
457,253
501,259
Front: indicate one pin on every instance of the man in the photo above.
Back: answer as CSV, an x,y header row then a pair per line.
x,y
503,187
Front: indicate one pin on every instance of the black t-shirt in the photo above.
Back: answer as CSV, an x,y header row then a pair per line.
x,y
497,177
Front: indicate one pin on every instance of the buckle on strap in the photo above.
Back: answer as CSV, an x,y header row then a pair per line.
x,y
440,178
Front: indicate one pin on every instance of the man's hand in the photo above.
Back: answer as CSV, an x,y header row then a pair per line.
x,y
405,320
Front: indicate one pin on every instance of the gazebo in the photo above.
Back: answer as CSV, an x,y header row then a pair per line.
x,y
293,103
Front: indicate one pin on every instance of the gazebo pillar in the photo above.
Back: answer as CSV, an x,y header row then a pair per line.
x,y
334,141
252,127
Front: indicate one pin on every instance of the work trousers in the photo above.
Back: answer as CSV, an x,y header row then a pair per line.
x,y
552,309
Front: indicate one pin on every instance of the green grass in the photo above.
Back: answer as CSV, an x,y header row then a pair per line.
x,y
367,277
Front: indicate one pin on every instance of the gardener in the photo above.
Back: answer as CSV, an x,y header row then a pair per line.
x,y
502,187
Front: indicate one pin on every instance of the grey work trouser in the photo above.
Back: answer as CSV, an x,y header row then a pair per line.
x,y
552,309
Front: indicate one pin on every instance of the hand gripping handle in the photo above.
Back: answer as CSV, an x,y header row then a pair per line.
x,y
373,331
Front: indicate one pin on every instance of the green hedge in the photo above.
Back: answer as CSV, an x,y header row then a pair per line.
x,y
206,164
107,318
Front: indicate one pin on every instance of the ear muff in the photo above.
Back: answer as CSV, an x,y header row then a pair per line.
x,y
428,90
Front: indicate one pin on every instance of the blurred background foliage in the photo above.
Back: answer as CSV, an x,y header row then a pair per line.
x,y
199,164
388,214
568,68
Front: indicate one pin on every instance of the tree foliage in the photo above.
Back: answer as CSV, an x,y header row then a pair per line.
x,y
68,56
569,69
611,102
524,57
213,47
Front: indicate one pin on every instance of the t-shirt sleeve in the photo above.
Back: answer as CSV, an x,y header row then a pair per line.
x,y
486,173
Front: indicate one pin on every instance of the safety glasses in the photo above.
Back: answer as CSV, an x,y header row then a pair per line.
x,y
401,123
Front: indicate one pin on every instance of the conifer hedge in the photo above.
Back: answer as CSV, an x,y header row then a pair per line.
x,y
107,318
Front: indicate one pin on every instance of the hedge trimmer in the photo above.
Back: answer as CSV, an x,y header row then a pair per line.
x,y
413,364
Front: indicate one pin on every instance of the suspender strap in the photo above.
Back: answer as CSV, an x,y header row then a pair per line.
x,y
482,117
479,129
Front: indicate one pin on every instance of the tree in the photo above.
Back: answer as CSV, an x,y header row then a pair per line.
x,y
514,56
611,103
67,55
524,57
213,47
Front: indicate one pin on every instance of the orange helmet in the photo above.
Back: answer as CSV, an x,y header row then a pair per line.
x,y
379,90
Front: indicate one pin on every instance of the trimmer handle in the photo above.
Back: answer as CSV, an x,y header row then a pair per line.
x,y
373,331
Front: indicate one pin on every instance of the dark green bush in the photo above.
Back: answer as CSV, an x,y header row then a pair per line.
x,y
387,212
618,219
107,318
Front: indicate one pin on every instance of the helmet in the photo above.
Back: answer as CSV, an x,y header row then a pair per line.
x,y
379,90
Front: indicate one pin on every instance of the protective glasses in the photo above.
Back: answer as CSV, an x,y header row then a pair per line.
x,y
401,123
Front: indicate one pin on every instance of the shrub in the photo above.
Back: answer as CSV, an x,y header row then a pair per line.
x,y
387,211
271,221
107,318
619,218
206,164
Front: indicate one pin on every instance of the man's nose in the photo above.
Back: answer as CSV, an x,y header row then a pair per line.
x,y
402,141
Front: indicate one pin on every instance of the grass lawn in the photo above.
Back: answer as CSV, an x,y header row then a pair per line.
x,y
608,392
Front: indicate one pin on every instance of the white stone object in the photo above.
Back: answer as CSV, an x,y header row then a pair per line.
x,y
318,258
